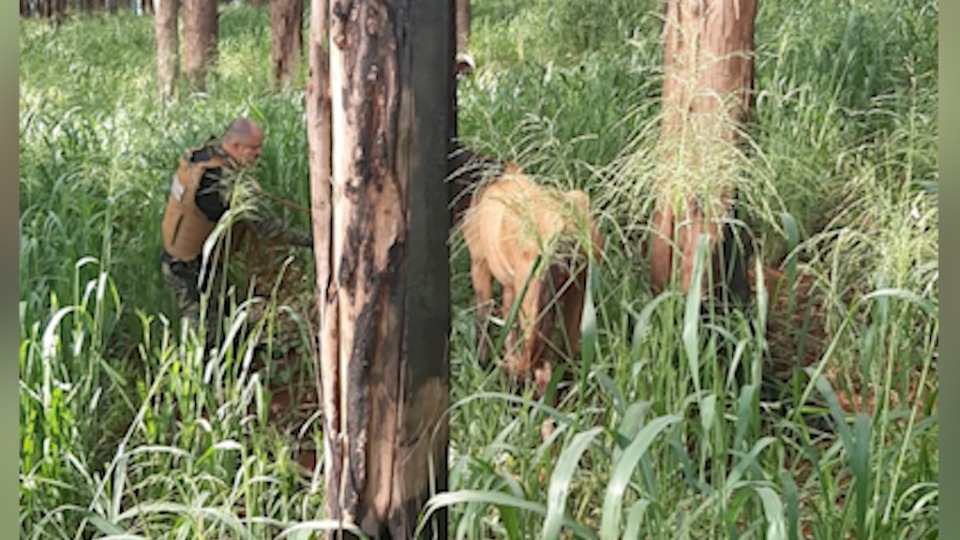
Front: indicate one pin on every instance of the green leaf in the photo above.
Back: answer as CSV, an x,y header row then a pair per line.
x,y
610,522
561,478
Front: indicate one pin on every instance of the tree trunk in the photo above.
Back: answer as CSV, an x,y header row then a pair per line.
x,y
707,92
96,5
286,26
257,3
146,6
165,30
59,8
200,28
381,225
24,8
463,26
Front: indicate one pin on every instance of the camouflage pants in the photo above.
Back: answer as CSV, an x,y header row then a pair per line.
x,y
183,279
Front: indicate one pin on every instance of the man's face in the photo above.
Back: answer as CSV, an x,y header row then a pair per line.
x,y
250,152
247,151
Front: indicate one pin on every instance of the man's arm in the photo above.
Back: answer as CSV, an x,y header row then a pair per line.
x,y
270,227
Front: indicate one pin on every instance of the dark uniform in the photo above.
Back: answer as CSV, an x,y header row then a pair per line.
x,y
200,194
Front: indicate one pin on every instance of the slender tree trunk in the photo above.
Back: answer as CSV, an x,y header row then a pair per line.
x,y
463,26
146,6
707,93
24,8
286,38
165,30
59,8
96,5
381,227
200,29
257,3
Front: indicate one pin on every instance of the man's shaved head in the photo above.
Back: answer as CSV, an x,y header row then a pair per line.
x,y
242,129
243,140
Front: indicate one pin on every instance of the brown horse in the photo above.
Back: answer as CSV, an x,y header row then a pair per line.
x,y
511,222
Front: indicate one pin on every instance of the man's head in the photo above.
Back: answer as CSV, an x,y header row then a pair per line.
x,y
243,140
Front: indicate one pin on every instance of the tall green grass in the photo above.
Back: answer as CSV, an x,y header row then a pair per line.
x,y
127,428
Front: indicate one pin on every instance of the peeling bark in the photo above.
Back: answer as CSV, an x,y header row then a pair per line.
x,y
319,142
382,260
707,93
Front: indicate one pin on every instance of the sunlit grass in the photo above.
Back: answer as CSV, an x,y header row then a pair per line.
x,y
129,427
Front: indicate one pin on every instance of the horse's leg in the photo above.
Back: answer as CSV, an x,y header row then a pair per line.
x,y
509,297
535,326
572,303
483,289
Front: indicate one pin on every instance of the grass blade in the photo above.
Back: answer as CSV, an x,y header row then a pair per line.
x,y
691,314
561,478
860,464
635,519
610,522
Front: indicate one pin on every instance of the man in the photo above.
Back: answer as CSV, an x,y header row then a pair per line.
x,y
200,194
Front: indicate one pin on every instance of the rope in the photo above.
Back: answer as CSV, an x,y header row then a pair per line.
x,y
285,202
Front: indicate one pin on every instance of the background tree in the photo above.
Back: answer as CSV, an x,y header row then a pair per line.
x,y
707,93
200,31
463,26
286,33
166,33
382,255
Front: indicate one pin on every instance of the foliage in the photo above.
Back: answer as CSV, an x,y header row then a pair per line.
x,y
811,414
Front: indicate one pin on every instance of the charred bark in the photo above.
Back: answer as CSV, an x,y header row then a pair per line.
x,y
707,95
382,259
165,31
286,39
200,32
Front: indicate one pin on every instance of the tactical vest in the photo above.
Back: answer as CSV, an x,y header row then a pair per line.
x,y
185,227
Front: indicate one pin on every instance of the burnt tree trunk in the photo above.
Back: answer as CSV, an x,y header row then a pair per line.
x,y
381,226
707,94
200,30
286,39
165,31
